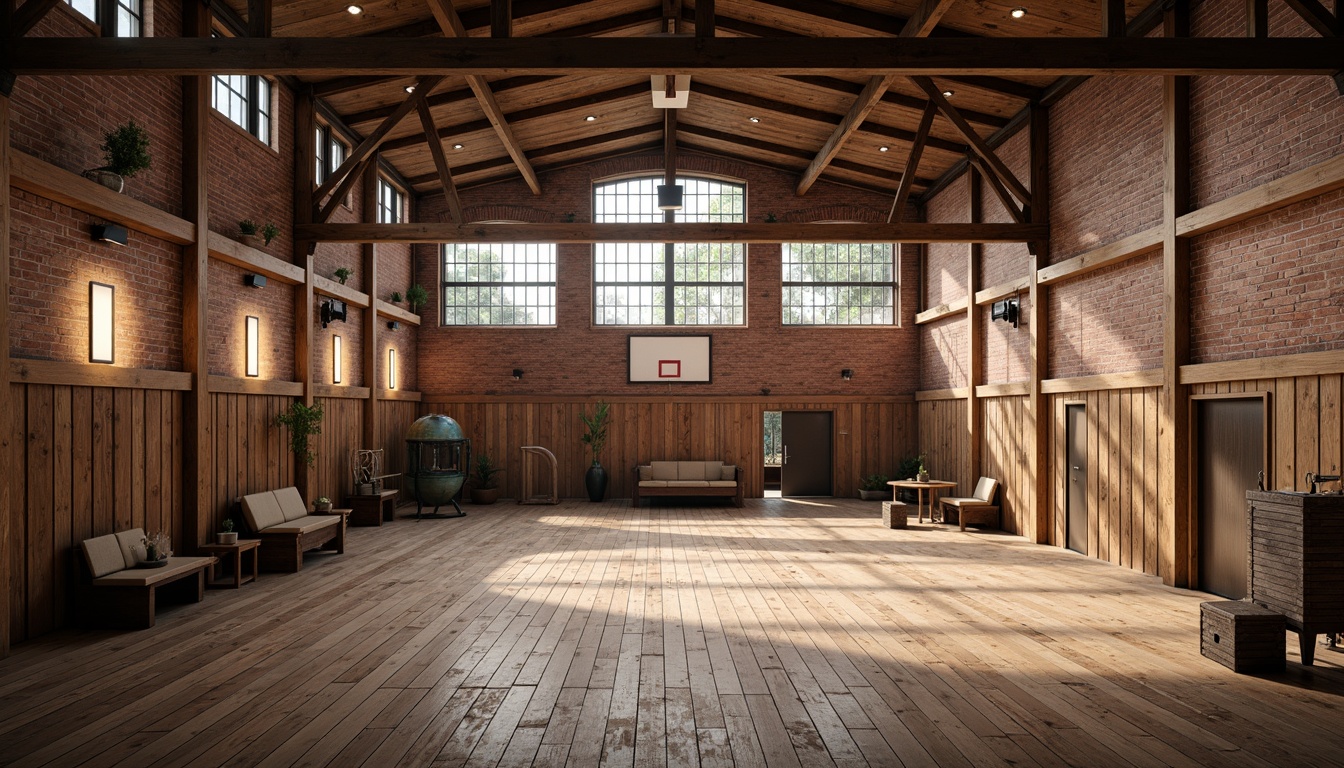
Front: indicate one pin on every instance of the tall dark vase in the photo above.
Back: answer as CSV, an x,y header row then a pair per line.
x,y
596,482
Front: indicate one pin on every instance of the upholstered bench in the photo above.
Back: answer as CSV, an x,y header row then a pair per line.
x,y
281,520
687,478
121,595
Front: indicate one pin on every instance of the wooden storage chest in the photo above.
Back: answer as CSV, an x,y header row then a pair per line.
x,y
1296,561
1242,636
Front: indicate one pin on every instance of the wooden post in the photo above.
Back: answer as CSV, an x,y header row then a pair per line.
x,y
1257,18
1037,415
369,211
1173,421
704,18
501,18
198,458
1113,18
7,513
975,358
259,18
305,125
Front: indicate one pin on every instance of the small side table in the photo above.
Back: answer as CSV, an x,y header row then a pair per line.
x,y
372,509
233,554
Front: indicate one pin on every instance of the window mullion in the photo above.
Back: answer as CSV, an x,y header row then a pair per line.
x,y
669,284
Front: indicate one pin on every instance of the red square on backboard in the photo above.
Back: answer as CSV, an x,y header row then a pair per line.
x,y
669,369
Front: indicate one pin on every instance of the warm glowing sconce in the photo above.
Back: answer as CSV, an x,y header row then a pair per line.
x,y
391,368
253,325
100,322
335,359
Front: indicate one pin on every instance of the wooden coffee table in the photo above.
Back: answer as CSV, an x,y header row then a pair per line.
x,y
233,554
372,509
932,486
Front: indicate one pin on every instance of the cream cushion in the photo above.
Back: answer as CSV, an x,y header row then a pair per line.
x,y
722,483
262,511
687,484
103,555
728,472
707,470
132,545
663,470
645,473
291,503
305,524
653,483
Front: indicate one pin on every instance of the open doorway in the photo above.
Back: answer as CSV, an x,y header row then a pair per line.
x,y
773,451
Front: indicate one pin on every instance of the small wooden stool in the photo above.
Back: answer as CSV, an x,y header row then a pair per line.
x,y
894,514
1242,636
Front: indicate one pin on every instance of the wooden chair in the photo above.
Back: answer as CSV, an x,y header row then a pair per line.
x,y
978,508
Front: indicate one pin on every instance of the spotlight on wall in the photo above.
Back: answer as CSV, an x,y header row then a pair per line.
x,y
517,373
101,317
253,327
669,197
110,233
391,368
254,281
393,325
332,311
846,373
1005,310
336,360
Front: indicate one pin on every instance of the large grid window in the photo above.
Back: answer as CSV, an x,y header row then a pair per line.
x,y
391,203
839,284
499,284
669,283
330,152
246,101
118,18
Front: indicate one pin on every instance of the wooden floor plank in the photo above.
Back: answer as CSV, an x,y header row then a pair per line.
x,y
783,633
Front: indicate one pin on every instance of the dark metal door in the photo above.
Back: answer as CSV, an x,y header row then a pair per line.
x,y
807,454
1076,515
1230,451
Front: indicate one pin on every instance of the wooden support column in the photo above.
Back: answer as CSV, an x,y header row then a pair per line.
x,y
1037,427
305,122
198,446
501,18
369,212
704,18
7,513
975,353
1113,18
1257,18
1173,419
259,18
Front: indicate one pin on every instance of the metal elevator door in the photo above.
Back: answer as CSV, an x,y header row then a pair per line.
x,y
806,467
1230,452
1076,514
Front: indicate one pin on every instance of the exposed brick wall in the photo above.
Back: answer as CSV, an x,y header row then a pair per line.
x,y
576,357
1108,321
403,340
945,263
943,353
394,271
52,260
352,347
1246,131
1105,163
62,119
1270,285
230,303
250,180
1005,350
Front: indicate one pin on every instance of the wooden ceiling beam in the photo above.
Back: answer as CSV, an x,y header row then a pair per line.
x,y
925,18
445,174
850,123
1113,18
452,27
614,55
659,232
29,14
978,145
912,165
501,18
570,163
448,97
1316,15
259,18
343,189
550,149
999,85
1020,214
897,99
1257,18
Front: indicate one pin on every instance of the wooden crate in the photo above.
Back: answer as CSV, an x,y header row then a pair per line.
x,y
894,514
1242,636
1296,561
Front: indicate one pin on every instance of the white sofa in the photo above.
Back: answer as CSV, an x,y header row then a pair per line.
x,y
687,478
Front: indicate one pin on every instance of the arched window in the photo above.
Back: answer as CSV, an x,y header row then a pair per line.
x,y
669,283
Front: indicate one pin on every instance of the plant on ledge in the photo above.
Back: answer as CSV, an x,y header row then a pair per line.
x,y
596,438
417,297
269,232
247,228
125,152
395,298
303,422
343,274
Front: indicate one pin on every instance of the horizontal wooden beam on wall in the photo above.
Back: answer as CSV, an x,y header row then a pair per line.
x,y
1305,364
393,312
957,393
23,371
840,56
1104,256
235,385
1011,389
1002,291
942,310
399,394
233,252
772,402
1293,188
1126,380
334,392
328,287
782,232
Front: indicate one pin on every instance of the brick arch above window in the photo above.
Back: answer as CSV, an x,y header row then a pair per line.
x,y
687,165
822,213
516,213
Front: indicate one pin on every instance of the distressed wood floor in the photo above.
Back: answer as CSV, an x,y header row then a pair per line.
x,y
786,633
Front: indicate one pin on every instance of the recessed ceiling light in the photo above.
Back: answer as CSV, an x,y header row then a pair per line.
x,y
354,10
589,118
948,94
883,149
410,89
754,119
1018,12
457,146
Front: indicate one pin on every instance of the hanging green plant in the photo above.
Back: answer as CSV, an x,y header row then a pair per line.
x,y
303,422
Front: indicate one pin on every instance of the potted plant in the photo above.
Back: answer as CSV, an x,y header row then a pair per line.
x,y
228,536
596,437
417,297
322,505
343,274
269,232
395,298
873,487
303,421
923,475
484,489
908,469
157,549
126,152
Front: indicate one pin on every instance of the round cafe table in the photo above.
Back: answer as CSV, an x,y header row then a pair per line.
x,y
932,486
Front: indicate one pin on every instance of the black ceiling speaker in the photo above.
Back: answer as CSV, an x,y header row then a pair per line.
x,y
669,197
255,281
110,233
